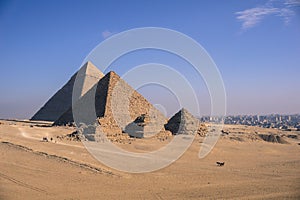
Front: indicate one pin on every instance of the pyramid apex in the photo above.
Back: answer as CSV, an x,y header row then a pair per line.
x,y
112,73
90,69
86,77
89,62
183,110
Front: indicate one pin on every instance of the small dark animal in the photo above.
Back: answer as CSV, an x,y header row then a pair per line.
x,y
220,163
224,132
45,139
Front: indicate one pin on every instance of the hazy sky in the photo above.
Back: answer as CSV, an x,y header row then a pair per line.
x,y
255,44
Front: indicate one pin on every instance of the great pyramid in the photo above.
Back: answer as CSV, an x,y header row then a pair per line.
x,y
88,76
113,98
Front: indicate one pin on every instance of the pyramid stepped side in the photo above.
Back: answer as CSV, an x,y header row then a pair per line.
x,y
183,123
88,75
128,101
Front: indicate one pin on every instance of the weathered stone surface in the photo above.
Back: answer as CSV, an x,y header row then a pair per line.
x,y
202,130
87,76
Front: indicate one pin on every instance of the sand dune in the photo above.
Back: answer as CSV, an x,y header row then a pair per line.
x,y
63,169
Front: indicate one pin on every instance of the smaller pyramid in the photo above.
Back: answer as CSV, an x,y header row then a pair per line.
x,y
87,76
183,122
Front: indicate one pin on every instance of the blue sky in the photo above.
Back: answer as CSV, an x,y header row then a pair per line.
x,y
255,44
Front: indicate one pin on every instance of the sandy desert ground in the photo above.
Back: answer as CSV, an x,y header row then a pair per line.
x,y
63,169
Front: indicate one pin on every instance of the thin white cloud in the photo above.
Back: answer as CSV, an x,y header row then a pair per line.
x,y
287,14
253,16
106,34
292,2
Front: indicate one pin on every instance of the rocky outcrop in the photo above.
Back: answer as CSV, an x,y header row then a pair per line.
x,y
272,138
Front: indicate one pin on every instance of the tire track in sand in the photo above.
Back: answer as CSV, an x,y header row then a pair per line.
x,y
22,184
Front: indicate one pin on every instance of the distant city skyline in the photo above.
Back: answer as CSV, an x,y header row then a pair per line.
x,y
255,45
283,122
